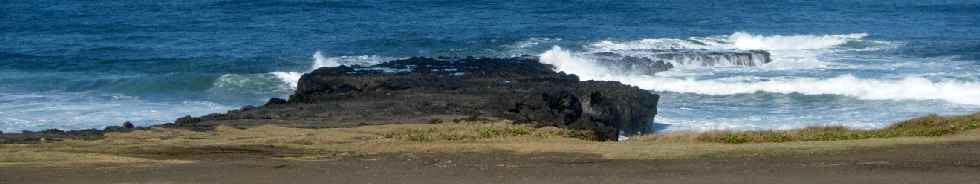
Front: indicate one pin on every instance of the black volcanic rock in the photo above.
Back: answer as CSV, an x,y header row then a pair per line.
x,y
30,137
421,90
128,125
653,61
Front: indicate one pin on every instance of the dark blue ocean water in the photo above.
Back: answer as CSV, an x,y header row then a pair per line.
x,y
87,64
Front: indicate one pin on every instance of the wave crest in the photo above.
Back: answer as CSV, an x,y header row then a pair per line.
x,y
787,51
291,79
260,83
908,88
742,40
737,40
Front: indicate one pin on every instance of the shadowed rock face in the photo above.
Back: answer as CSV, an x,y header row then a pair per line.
x,y
648,62
418,90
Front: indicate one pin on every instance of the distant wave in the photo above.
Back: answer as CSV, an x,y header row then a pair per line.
x,y
909,88
737,40
259,83
81,110
741,40
788,51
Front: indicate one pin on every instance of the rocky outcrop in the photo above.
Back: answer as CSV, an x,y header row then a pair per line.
x,y
648,62
49,135
419,90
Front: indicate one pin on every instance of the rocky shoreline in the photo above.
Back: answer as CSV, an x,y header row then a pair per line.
x,y
33,137
422,90
428,90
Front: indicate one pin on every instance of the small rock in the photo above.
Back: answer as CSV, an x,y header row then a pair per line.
x,y
276,101
113,128
128,125
53,131
187,120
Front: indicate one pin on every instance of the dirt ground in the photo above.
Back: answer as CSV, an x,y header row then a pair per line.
x,y
957,162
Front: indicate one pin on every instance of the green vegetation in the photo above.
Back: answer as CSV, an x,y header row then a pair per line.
x,y
932,125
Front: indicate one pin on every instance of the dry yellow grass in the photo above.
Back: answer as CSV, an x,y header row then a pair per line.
x,y
39,158
296,143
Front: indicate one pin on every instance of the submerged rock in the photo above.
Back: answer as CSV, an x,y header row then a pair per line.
x,y
422,90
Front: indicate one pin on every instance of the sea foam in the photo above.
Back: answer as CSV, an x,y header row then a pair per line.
x,y
907,88
292,78
737,40
287,80
788,51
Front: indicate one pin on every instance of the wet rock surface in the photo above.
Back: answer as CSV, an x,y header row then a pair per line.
x,y
651,61
421,90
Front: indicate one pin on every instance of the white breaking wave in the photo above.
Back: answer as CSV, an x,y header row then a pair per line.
x,y
787,51
647,44
737,40
319,61
260,83
287,81
741,40
291,79
909,88
528,46
82,110
568,62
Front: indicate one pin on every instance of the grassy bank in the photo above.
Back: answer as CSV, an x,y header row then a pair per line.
x,y
932,125
174,146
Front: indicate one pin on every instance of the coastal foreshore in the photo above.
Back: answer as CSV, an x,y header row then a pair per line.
x,y
420,154
432,120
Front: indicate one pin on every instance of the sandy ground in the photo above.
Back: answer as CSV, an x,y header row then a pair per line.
x,y
930,163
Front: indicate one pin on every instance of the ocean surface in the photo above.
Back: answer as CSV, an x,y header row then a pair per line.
x,y
76,64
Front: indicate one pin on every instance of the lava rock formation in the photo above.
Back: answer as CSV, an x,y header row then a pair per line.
x,y
421,90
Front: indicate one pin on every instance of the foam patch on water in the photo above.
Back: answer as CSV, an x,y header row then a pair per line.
x,y
569,62
528,46
742,40
291,79
737,40
787,51
64,110
758,122
259,83
908,88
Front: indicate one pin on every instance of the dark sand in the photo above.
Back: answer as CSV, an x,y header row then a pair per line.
x,y
932,163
